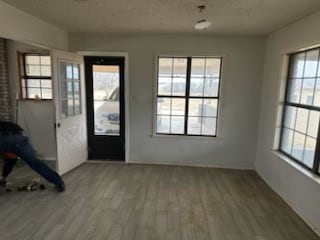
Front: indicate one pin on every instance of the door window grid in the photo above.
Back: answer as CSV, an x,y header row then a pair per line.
x,y
300,125
70,89
35,76
178,113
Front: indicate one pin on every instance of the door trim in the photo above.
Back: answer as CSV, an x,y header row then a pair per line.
x,y
126,91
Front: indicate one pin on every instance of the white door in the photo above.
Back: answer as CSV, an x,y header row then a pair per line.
x,y
69,98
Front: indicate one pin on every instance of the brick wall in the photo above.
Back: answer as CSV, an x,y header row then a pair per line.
x,y
5,109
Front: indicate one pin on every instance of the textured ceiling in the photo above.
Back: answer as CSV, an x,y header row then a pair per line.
x,y
254,17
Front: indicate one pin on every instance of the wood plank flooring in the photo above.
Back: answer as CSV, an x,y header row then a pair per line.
x,y
137,202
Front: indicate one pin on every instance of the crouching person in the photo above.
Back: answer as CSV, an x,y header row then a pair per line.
x,y
12,144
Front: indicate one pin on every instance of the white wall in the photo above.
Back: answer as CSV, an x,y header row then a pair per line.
x,y
18,25
240,94
300,190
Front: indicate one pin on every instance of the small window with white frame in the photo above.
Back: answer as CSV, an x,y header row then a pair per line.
x,y
300,136
188,95
35,76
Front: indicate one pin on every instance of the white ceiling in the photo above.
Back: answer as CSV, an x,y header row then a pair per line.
x,y
254,17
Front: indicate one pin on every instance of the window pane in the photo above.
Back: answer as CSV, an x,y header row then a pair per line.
x,y
164,106
209,126
33,70
316,101
196,86
165,67
178,106
32,59
313,124
213,67
307,91
294,93
198,67
287,140
46,93
46,71
297,67
290,117
76,71
211,87
302,120
45,60
163,124
34,93
180,67
311,63
69,71
298,146
195,107
164,86
177,125
309,151
210,107
194,125
46,84
33,83
179,87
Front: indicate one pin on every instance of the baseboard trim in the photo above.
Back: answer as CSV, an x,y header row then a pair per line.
x,y
290,204
188,164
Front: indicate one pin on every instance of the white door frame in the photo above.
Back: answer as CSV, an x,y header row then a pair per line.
x,y
126,90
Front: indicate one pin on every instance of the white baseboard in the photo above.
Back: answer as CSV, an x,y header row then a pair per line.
x,y
188,164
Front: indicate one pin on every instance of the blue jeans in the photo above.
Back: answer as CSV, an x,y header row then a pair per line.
x,y
19,144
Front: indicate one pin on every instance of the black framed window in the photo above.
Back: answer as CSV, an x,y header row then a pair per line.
x,y
300,123
35,76
188,95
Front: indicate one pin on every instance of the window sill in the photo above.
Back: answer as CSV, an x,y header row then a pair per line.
x,y
297,166
184,137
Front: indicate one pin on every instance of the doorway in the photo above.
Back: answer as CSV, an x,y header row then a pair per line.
x,y
105,107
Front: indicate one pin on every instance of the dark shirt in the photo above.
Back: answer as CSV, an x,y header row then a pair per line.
x,y
8,127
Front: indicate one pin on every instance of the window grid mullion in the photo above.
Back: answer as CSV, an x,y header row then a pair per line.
x,y
186,119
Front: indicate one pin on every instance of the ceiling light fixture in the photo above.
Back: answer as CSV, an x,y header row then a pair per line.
x,y
203,23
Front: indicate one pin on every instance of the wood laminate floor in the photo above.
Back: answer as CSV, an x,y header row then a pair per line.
x,y
137,202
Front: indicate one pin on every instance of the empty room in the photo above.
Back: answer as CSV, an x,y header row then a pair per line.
x,y
158,119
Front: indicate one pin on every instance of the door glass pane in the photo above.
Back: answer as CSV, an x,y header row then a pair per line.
x,y
106,90
70,98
